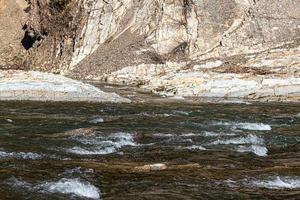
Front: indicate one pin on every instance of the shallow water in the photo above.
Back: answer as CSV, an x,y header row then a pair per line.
x,y
212,151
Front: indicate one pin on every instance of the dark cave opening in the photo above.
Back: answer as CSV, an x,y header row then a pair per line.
x,y
28,40
30,37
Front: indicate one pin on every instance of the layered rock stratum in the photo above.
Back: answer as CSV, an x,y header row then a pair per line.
x,y
207,48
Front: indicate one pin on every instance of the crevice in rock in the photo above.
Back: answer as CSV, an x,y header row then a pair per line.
x,y
58,6
30,37
181,48
28,40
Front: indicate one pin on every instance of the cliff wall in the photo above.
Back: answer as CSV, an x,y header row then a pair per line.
x,y
110,39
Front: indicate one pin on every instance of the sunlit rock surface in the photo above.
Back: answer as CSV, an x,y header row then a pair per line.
x,y
38,86
158,45
198,83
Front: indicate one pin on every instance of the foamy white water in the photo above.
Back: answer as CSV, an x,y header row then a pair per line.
x,y
180,112
82,151
103,145
162,135
9,120
279,183
13,181
211,134
250,139
254,126
215,134
122,139
20,155
247,126
250,143
74,187
257,149
194,147
77,170
207,134
96,120
189,135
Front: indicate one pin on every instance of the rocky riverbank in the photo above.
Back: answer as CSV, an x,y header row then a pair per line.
x,y
160,80
210,48
38,86
194,82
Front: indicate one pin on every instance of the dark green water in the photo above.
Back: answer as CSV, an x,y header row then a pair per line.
x,y
213,151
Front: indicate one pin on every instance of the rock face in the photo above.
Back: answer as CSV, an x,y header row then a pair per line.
x,y
12,54
242,40
38,86
171,79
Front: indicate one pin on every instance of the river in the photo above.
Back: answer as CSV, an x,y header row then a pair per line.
x,y
156,149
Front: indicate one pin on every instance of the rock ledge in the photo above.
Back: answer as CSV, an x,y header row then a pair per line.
x,y
39,86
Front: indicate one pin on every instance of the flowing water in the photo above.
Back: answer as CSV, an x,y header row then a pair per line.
x,y
197,150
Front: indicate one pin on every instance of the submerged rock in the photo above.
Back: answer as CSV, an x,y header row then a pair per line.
x,y
38,86
162,167
77,132
151,167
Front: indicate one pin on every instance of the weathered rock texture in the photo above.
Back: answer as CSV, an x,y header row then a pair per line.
x,y
216,39
171,79
38,86
12,17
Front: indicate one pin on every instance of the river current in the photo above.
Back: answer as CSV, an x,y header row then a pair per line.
x,y
150,150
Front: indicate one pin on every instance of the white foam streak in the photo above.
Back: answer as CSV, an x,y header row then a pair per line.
x,y
122,139
194,147
20,155
279,183
96,121
82,151
188,135
254,126
250,139
257,149
162,135
102,145
250,143
247,126
215,134
19,183
180,112
73,186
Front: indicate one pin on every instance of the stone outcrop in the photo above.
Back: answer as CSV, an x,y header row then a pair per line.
x,y
172,79
156,44
38,86
12,18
